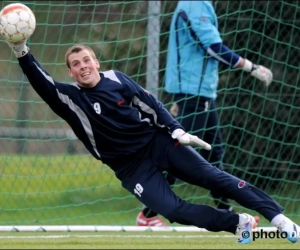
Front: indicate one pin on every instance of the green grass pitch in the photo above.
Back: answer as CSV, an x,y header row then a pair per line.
x,y
131,240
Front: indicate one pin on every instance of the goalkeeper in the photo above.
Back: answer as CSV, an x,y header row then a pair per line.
x,y
194,51
128,129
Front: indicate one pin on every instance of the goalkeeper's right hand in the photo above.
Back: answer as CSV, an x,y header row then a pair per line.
x,y
258,71
19,49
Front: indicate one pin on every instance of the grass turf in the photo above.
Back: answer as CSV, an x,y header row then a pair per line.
x,y
141,240
79,190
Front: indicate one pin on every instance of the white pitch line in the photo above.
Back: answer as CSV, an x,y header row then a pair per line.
x,y
116,236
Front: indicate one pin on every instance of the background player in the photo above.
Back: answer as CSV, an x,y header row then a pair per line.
x,y
194,51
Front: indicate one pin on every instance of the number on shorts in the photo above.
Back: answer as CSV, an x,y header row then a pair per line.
x,y
138,189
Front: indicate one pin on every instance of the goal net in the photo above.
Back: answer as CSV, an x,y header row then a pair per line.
x,y
48,177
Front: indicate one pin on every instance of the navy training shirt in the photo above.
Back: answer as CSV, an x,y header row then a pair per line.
x,y
114,119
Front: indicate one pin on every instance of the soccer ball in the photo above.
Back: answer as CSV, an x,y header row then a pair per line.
x,y
17,22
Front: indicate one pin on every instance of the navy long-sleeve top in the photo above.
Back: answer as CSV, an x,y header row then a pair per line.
x,y
114,119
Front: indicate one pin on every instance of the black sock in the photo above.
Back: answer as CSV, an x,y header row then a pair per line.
x,y
148,213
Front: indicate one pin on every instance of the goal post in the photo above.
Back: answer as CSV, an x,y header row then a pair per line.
x,y
153,47
49,180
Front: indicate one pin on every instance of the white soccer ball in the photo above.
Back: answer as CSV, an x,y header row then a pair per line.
x,y
17,22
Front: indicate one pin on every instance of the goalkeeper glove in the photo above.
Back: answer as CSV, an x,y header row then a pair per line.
x,y
258,71
20,49
188,139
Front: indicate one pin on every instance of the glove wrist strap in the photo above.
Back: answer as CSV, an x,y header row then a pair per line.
x,y
21,51
248,66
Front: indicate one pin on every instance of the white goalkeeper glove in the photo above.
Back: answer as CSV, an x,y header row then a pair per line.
x,y
20,49
258,71
188,139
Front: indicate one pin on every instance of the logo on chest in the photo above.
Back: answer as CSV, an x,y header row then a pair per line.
x,y
120,102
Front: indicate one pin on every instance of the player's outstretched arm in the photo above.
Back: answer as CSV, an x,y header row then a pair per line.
x,y
201,16
225,55
48,89
45,86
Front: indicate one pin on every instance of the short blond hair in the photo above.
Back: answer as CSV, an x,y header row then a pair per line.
x,y
77,48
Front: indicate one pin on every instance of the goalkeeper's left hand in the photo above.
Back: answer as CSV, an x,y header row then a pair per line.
x,y
258,71
188,139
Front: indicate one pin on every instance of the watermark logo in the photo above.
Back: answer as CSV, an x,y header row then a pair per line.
x,y
261,234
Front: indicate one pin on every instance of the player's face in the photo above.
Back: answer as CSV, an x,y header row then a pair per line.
x,y
84,69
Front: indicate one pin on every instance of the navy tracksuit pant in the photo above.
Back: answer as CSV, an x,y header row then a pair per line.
x,y
198,115
144,179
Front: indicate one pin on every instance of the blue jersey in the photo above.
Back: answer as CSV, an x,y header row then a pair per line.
x,y
190,69
114,120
